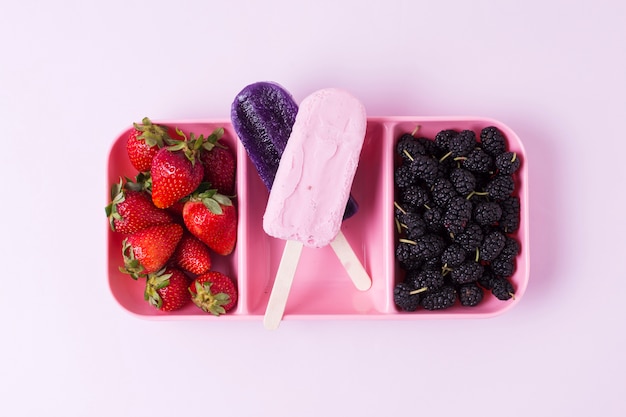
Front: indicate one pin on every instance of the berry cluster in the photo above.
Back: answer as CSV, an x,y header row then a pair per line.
x,y
176,216
456,214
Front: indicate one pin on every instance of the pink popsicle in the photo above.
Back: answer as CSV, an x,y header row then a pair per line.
x,y
317,168
312,184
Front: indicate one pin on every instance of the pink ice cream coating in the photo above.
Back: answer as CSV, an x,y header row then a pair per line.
x,y
316,170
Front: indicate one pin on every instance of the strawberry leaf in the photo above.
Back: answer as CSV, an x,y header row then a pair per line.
x,y
212,205
222,199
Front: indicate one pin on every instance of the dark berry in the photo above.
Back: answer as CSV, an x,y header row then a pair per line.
x,y
405,297
425,168
464,181
430,279
500,187
432,264
434,219
509,221
492,140
487,279
470,295
457,215
428,246
478,161
471,238
415,197
502,288
453,256
407,147
415,228
503,266
442,139
507,163
487,212
511,248
443,191
409,219
404,175
440,299
492,245
430,147
468,271
405,255
462,144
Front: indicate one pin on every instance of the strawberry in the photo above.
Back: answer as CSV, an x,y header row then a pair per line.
x,y
130,211
167,289
144,141
148,250
175,170
214,293
192,255
212,218
219,163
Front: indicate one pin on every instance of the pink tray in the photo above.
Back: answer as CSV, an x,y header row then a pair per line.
x,y
321,288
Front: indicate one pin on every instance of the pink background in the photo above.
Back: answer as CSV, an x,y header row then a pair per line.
x,y
75,74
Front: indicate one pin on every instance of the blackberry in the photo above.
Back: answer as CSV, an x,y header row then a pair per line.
x,y
443,191
415,197
432,264
470,295
486,280
482,179
492,246
453,256
468,271
440,299
409,219
405,256
407,147
487,213
511,248
503,266
430,146
428,246
442,139
502,288
478,161
462,144
405,297
415,228
458,213
428,279
492,140
509,221
425,168
404,175
434,219
507,163
471,238
500,187
464,181
446,165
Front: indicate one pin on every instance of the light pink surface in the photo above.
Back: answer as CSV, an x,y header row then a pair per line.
x,y
321,287
75,73
314,178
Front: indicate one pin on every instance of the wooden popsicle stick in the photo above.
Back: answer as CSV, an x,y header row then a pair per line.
x,y
282,285
351,263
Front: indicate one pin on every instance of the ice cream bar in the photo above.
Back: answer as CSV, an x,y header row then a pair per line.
x,y
312,186
316,170
263,114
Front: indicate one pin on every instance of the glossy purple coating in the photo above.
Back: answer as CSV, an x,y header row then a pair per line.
x,y
263,115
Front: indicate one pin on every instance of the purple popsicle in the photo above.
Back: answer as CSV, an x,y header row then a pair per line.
x,y
263,115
